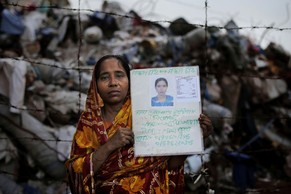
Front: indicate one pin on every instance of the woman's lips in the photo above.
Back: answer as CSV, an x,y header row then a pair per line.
x,y
114,92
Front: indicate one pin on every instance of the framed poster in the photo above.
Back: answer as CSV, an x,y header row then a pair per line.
x,y
166,105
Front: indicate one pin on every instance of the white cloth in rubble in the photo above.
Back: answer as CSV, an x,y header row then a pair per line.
x,y
33,21
93,34
66,101
12,82
65,135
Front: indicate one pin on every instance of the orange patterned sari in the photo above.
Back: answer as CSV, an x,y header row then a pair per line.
x,y
121,172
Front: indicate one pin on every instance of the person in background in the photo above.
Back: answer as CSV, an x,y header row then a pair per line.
x,y
102,154
162,99
11,24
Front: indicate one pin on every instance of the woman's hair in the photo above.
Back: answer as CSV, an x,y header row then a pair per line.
x,y
121,60
161,79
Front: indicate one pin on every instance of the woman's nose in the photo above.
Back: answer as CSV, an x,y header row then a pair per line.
x,y
113,82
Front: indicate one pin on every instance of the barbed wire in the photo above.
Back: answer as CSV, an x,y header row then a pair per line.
x,y
217,72
150,21
235,117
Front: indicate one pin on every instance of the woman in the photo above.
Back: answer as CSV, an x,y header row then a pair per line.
x,y
162,99
102,156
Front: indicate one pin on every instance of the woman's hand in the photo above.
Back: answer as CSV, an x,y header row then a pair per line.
x,y
122,137
206,125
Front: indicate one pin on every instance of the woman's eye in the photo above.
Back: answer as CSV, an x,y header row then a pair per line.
x,y
103,77
120,75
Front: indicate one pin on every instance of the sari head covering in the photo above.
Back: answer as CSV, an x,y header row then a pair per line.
x,y
121,172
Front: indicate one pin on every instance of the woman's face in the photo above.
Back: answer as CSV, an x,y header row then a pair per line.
x,y
112,83
161,88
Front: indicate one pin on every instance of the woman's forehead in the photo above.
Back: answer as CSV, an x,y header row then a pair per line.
x,y
111,64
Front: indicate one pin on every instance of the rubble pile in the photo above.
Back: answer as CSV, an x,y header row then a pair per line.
x,y
46,61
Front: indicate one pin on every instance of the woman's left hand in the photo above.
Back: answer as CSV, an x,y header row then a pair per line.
x,y
206,125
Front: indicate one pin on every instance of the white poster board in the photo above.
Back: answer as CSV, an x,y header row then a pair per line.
x,y
169,127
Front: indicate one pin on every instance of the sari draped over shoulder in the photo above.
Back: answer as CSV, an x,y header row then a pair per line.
x,y
122,172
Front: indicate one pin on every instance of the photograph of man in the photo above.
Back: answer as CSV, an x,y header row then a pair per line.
x,y
162,99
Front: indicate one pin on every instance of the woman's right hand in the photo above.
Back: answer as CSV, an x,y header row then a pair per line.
x,y
121,138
